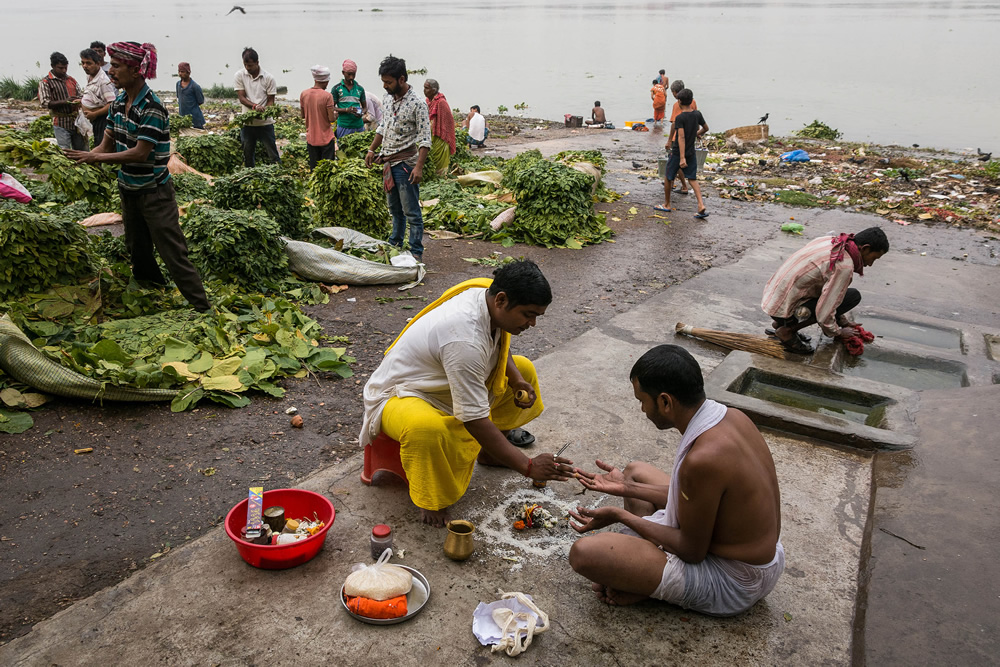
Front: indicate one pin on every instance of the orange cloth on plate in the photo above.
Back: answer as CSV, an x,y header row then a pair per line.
x,y
391,608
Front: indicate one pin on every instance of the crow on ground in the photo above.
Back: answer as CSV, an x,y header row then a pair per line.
x,y
763,119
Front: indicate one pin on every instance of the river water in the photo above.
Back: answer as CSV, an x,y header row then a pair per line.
x,y
907,71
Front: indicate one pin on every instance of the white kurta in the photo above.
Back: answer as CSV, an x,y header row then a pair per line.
x,y
444,358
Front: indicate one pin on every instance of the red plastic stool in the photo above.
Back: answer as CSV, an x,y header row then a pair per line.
x,y
382,454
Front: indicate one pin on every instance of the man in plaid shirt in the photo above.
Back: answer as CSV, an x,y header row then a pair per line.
x,y
60,95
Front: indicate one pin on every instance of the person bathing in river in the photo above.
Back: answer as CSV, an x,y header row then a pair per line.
x,y
448,389
705,537
813,287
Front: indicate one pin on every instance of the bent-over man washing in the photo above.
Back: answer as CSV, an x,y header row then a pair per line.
x,y
813,286
707,536
451,393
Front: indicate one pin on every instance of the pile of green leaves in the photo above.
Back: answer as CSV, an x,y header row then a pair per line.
x,y
514,166
596,158
244,247
41,128
178,123
458,209
212,154
189,186
107,248
39,250
249,344
266,113
356,145
295,158
349,194
96,184
289,127
554,208
270,188
819,130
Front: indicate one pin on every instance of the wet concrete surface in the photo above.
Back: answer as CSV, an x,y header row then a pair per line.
x,y
600,292
932,593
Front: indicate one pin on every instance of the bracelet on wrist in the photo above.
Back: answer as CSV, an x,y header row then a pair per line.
x,y
528,473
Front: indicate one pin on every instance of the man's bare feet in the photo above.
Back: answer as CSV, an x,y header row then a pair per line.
x,y
616,598
438,518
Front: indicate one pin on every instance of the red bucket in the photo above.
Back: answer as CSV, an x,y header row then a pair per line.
x,y
298,504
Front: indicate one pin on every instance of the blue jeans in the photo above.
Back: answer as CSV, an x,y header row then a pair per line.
x,y
404,205
69,139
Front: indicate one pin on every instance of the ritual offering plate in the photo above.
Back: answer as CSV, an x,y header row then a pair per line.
x,y
415,600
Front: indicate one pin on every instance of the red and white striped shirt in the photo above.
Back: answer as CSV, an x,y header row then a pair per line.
x,y
807,275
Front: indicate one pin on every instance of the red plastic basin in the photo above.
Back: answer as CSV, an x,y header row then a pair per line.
x,y
298,504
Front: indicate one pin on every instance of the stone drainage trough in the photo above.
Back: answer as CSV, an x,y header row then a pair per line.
x,y
816,402
868,402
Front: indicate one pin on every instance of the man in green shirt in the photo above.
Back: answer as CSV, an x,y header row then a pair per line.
x,y
349,101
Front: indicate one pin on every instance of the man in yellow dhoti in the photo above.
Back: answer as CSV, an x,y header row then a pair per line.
x,y
448,389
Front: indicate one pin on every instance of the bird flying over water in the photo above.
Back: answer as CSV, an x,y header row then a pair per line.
x,y
763,119
236,8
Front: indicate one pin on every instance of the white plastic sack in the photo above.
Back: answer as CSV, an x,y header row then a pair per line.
x,y
327,265
352,238
379,581
83,125
503,218
491,176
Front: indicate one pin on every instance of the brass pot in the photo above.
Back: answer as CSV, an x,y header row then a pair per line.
x,y
459,544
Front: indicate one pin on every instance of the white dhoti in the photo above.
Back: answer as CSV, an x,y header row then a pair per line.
x,y
716,586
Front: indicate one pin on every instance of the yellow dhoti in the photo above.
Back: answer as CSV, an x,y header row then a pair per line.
x,y
436,450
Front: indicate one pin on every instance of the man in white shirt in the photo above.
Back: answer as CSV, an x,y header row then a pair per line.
x,y
450,392
256,90
475,123
98,94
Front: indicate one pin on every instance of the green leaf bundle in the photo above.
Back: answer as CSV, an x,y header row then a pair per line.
x,y
212,154
270,188
514,166
189,186
96,184
178,123
554,207
244,247
39,250
247,117
356,145
349,194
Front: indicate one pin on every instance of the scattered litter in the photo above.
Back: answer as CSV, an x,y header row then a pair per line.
x,y
83,450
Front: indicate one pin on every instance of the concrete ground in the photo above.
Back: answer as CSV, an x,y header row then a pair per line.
x,y
201,604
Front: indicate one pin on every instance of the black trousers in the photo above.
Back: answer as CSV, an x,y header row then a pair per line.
x,y
151,222
250,135
851,299
317,153
99,126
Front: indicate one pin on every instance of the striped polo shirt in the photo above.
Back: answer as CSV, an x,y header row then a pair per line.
x,y
146,121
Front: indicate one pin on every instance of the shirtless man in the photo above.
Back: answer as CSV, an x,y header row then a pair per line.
x,y
597,116
706,537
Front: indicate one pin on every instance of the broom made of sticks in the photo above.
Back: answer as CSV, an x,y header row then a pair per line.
x,y
735,341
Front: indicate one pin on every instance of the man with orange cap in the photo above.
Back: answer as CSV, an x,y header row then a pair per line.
x,y
349,100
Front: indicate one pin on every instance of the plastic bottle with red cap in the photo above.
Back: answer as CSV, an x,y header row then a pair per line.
x,y
381,539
